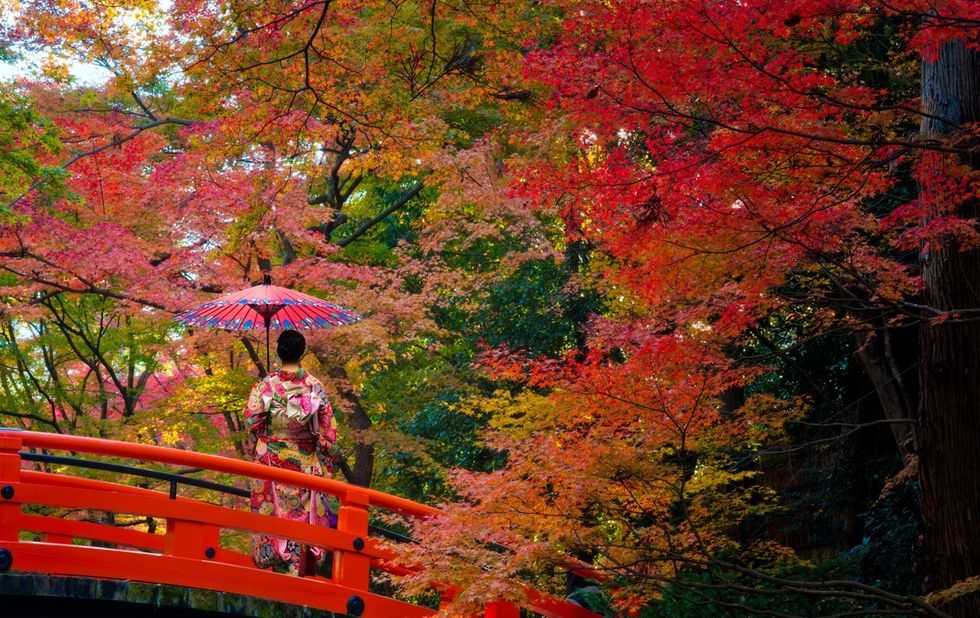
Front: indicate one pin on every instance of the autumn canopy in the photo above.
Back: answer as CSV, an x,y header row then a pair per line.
x,y
683,290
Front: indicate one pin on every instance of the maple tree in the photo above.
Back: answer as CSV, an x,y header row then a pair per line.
x,y
725,165
600,245
221,153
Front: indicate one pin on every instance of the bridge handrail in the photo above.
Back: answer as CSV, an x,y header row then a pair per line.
x,y
176,479
217,463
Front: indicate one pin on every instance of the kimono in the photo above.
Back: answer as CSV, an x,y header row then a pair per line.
x,y
294,428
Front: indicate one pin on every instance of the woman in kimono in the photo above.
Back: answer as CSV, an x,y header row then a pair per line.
x,y
292,423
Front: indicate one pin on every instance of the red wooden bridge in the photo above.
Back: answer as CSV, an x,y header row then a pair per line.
x,y
190,553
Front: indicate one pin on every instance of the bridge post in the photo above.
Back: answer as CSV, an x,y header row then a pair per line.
x,y
190,539
350,567
9,475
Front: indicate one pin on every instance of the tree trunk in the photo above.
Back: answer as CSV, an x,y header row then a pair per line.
x,y
949,367
874,352
361,472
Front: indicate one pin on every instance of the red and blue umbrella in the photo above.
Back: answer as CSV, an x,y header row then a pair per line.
x,y
270,307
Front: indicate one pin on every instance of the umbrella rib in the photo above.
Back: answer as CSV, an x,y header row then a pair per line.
x,y
289,314
303,316
283,314
224,314
300,320
307,317
241,307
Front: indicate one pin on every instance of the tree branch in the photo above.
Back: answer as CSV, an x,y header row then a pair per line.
x,y
252,354
367,225
116,141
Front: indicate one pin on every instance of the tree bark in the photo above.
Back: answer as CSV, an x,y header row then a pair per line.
x,y
875,355
949,362
362,471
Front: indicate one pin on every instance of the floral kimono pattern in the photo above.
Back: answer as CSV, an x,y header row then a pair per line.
x,y
294,428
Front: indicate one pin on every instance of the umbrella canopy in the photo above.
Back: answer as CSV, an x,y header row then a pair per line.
x,y
267,306
270,307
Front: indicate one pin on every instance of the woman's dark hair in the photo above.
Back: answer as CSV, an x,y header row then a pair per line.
x,y
290,346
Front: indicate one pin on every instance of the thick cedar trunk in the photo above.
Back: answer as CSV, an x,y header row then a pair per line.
x,y
949,368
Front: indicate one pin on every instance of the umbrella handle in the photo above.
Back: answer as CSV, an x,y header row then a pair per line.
x,y
268,364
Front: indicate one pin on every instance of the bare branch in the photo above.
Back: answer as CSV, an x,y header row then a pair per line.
x,y
367,225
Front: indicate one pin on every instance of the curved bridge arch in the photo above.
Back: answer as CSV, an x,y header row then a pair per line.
x,y
190,553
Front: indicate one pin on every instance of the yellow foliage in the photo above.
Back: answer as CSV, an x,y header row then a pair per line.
x,y
518,415
709,477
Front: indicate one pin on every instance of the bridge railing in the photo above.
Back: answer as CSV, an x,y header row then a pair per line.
x,y
190,553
